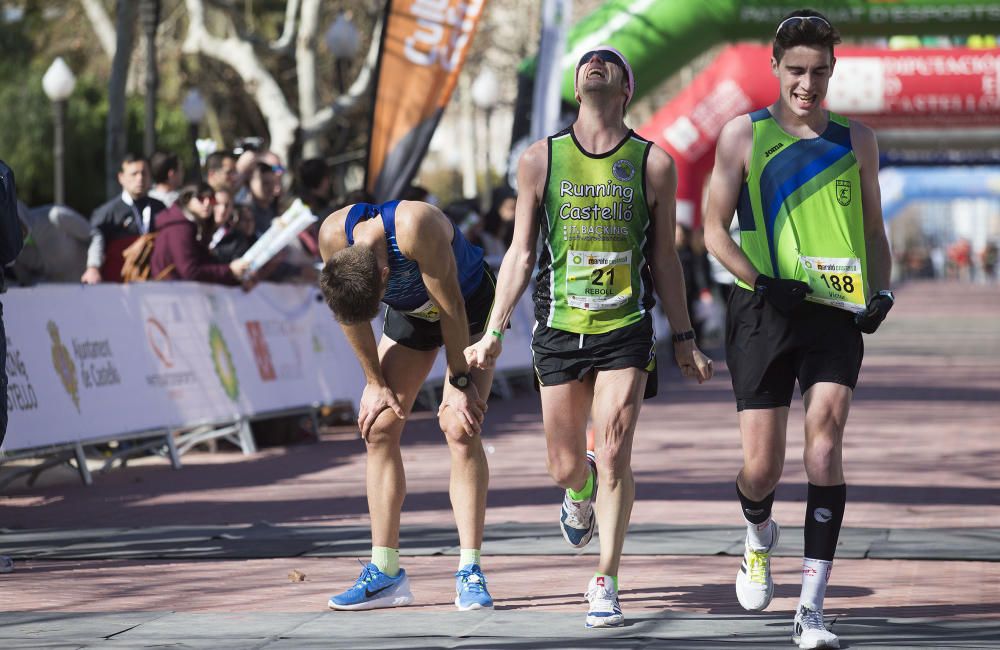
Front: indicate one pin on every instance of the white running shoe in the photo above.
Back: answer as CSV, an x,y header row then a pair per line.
x,y
576,518
808,630
754,586
604,608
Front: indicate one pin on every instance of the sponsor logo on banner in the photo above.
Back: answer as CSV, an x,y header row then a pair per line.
x,y
261,352
223,362
163,349
62,361
20,393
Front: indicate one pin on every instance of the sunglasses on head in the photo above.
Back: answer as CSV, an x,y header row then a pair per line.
x,y
793,21
604,55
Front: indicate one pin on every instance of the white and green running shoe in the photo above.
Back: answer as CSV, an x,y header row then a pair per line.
x,y
754,586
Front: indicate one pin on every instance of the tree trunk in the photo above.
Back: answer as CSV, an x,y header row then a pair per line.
x,y
305,68
117,142
235,52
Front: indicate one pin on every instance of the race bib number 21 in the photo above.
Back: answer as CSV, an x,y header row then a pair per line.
x,y
598,280
835,281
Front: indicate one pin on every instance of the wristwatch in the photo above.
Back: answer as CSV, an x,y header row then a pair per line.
x,y
682,336
888,294
461,381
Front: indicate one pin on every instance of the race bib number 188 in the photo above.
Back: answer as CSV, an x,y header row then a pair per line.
x,y
835,281
598,280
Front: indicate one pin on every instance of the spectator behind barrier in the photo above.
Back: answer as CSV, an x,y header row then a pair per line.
x,y
167,173
261,199
234,229
117,223
220,172
55,244
180,251
499,221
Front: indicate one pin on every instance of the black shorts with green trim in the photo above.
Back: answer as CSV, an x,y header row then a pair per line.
x,y
422,334
560,357
767,351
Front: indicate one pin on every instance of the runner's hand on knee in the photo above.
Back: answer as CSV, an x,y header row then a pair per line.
x,y
374,400
469,408
785,295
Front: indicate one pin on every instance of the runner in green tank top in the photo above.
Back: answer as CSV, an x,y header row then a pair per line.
x,y
605,207
812,271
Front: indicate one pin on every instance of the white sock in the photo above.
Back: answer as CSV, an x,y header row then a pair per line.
x,y
760,535
815,574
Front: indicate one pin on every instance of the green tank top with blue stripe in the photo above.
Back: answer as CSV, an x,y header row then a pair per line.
x,y
800,211
593,272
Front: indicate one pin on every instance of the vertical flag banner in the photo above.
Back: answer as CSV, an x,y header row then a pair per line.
x,y
424,44
548,74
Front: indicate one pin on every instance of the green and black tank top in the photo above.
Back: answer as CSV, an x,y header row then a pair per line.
x,y
593,271
800,211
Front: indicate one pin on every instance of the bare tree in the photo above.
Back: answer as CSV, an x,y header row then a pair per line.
x,y
116,142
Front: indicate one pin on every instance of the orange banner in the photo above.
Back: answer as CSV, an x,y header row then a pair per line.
x,y
424,43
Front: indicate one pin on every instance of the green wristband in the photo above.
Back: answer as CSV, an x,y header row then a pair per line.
x,y
497,333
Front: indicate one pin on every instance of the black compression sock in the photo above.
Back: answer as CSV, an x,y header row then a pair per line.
x,y
824,515
756,512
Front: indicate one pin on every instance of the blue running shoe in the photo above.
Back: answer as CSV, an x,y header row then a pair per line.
x,y
576,518
374,589
470,585
604,609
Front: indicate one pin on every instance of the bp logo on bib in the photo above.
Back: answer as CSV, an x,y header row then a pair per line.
x,y
844,192
623,170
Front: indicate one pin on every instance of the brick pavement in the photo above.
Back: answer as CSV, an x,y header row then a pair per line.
x,y
920,452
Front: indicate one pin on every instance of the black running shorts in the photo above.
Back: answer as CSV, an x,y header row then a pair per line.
x,y
767,350
420,334
561,357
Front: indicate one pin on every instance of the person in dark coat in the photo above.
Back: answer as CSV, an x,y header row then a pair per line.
x,y
180,251
117,223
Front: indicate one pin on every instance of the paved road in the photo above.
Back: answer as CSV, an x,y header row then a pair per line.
x,y
150,556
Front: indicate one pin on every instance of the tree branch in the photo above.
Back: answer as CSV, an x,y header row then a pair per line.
x,y
354,95
101,23
288,31
240,55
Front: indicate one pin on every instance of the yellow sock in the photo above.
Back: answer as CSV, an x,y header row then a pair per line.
x,y
469,556
386,559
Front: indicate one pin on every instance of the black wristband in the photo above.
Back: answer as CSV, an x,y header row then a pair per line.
x,y
682,336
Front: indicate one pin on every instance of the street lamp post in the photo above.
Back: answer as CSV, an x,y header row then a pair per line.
x,y
342,41
194,112
58,84
485,91
149,16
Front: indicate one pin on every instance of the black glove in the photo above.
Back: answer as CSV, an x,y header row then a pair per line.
x,y
785,295
878,308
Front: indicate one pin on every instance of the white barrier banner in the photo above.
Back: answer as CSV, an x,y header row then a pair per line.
x,y
73,352
96,362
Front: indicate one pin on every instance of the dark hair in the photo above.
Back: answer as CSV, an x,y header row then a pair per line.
x,y
415,193
352,285
161,164
815,33
188,192
214,161
312,172
358,196
130,158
